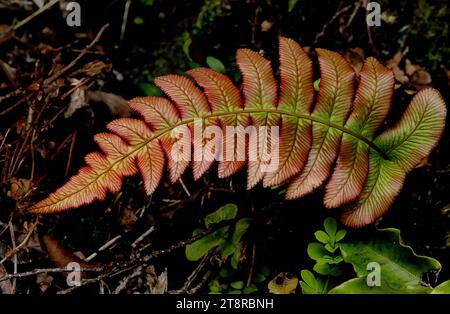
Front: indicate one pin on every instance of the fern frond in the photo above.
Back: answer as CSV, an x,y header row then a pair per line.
x,y
337,138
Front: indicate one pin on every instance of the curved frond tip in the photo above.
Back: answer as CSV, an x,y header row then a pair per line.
x,y
273,128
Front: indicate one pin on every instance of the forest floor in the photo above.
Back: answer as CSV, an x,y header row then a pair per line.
x,y
60,85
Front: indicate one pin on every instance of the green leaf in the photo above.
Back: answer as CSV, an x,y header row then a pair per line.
x,y
321,236
226,212
237,285
311,284
443,288
331,248
316,85
322,269
264,270
148,2
187,41
214,286
401,269
340,235
359,286
259,278
250,289
138,20
316,251
215,64
291,5
235,259
225,273
233,245
240,229
325,260
150,89
196,250
330,226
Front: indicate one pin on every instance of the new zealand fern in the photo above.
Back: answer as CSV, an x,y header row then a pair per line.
x,y
338,135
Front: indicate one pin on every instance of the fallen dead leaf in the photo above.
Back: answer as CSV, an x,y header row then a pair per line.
x,y
44,281
78,99
284,283
116,104
355,56
127,219
5,286
421,77
156,284
19,187
266,26
61,256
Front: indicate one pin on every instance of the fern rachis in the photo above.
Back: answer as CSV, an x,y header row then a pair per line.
x,y
337,137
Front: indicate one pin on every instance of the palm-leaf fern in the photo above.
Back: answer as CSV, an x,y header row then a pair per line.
x,y
338,136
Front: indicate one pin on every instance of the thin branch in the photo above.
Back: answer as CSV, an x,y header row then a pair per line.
x,y
125,19
104,247
143,261
47,270
143,236
335,16
35,14
74,61
24,242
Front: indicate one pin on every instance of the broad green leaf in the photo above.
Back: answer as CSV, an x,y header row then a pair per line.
x,y
316,85
235,258
237,285
138,20
327,269
250,289
291,4
259,278
325,260
214,286
322,236
232,245
331,248
196,250
225,273
150,89
240,229
316,251
340,235
226,212
401,270
187,41
443,288
311,284
330,226
359,286
264,270
215,64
